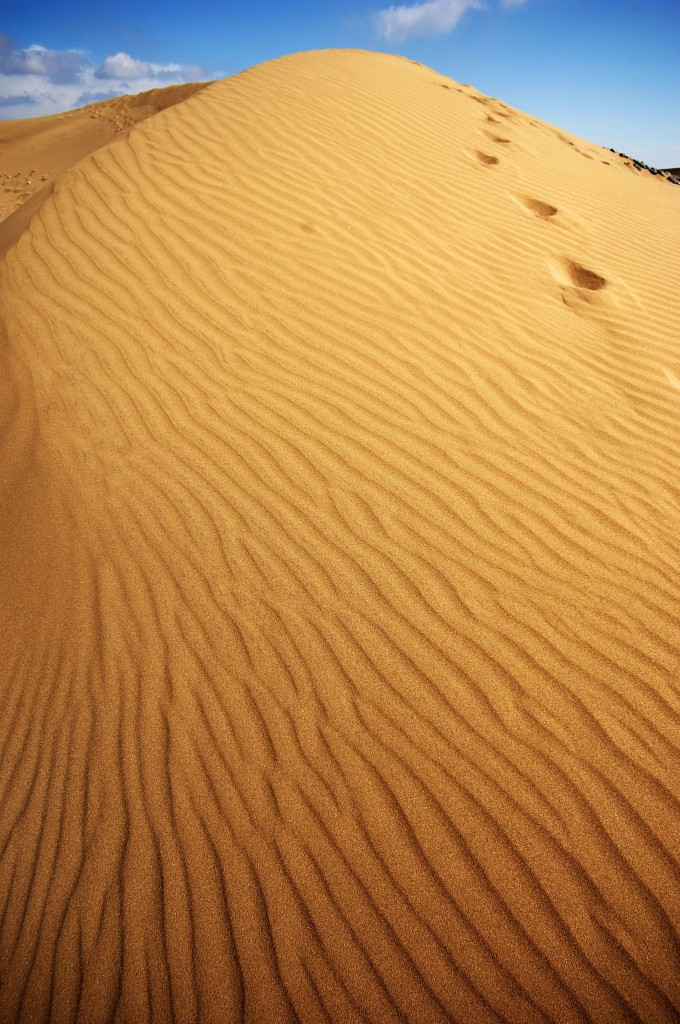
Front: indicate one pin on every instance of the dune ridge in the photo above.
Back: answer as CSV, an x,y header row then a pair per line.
x,y
339,659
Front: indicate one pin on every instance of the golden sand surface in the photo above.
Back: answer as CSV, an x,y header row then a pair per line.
x,y
339,566
36,151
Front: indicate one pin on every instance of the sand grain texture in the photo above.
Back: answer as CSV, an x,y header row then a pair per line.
x,y
339,651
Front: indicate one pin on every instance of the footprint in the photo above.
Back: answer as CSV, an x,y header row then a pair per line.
x,y
447,84
497,138
581,277
491,120
611,302
583,290
485,159
573,146
540,209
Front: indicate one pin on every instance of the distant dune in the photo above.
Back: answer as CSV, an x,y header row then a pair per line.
x,y
339,562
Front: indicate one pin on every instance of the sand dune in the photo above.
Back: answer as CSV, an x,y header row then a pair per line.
x,y
35,152
339,650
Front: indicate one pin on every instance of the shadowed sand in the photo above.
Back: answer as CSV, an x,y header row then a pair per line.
x,y
339,649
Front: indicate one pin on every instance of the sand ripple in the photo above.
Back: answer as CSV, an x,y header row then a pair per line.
x,y
339,650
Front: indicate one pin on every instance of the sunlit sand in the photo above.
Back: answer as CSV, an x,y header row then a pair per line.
x,y
339,561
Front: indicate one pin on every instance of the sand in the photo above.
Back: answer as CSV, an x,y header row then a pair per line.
x,y
339,551
35,152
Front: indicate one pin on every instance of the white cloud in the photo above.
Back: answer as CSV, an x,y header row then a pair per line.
x,y
429,18
64,66
35,81
122,65
425,19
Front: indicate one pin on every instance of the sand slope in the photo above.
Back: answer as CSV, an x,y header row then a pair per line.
x,y
36,151
339,650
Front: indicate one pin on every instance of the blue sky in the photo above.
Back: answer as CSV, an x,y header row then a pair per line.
x,y
606,70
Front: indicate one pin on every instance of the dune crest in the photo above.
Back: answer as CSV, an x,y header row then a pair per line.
x,y
339,650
